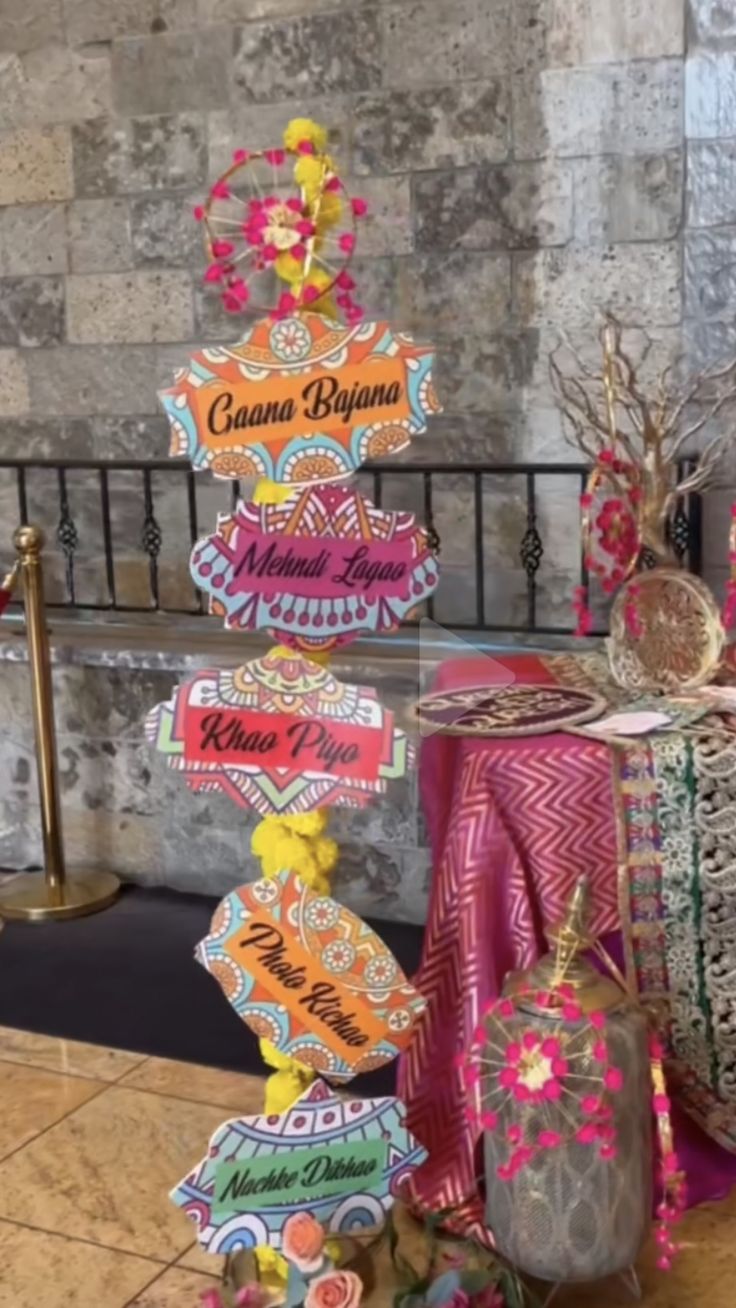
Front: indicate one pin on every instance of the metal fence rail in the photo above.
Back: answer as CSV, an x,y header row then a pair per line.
x,y
19,488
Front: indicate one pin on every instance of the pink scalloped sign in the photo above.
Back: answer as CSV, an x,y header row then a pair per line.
x,y
281,735
317,570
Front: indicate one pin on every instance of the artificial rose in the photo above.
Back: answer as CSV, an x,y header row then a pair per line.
x,y
334,1290
303,1242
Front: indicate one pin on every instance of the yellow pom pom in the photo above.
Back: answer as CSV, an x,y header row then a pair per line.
x,y
330,211
309,173
333,1249
289,269
286,1086
273,1269
305,129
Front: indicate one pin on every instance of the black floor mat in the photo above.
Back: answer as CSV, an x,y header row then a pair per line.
x,y
127,978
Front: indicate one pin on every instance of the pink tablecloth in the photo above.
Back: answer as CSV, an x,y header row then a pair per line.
x,y
513,824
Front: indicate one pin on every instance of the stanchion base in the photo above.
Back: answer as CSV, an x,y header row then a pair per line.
x,y
29,898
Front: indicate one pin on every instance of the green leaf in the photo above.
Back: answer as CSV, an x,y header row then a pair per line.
x,y
476,1280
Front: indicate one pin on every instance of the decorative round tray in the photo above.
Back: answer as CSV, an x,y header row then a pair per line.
x,y
507,710
666,632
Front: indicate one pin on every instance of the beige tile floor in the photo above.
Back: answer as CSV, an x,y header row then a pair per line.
x,y
91,1141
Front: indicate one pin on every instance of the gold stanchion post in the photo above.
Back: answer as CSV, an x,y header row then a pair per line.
x,y
53,893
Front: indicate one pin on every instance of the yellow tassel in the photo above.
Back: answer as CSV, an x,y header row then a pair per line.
x,y
296,843
271,492
288,1082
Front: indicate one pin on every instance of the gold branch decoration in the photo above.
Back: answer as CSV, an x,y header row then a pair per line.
x,y
610,412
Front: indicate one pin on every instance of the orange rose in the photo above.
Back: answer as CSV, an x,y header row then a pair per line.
x,y
303,1242
334,1290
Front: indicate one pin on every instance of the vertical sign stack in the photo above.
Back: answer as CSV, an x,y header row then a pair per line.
x,y
298,403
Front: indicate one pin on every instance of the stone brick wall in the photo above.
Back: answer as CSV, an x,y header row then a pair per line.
x,y
526,162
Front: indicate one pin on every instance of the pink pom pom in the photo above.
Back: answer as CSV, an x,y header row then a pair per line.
x,y
664,1264
239,289
550,1047
515,1134
360,207
210,1299
222,249
489,1121
572,1012
332,184
590,1104
296,206
549,1139
345,281
198,212
231,302
522,1094
214,272
220,191
240,156
270,253
310,294
530,1040
347,242
304,227
506,1008
275,157
287,302
662,1103
508,1077
512,1052
597,1020
607,1152
587,1134
298,251
552,1090
600,1051
305,147
560,1067
614,1079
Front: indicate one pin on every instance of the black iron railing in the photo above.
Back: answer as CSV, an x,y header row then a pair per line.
x,y
120,532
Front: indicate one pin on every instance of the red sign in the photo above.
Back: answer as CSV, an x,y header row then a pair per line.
x,y
231,736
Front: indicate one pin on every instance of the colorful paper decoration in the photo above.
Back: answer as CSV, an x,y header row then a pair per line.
x,y
279,734
307,974
300,401
317,570
321,1123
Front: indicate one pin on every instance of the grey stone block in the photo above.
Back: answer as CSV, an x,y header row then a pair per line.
x,y
710,94
41,438
312,55
441,41
506,207
387,228
247,11
710,274
639,283
36,166
713,20
30,23
54,84
129,438
32,240
94,380
14,397
628,198
609,109
566,33
164,231
164,152
438,127
256,126
711,183
457,294
31,310
706,342
172,72
90,21
99,236
129,307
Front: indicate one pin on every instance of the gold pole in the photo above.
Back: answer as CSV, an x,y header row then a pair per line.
x,y
35,896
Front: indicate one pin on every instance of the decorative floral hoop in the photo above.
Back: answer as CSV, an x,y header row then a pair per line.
x,y
616,528
300,223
